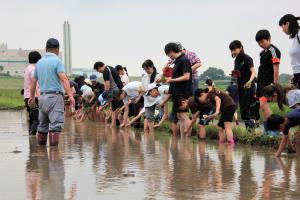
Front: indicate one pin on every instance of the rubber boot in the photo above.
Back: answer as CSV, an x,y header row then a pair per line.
x,y
53,138
42,139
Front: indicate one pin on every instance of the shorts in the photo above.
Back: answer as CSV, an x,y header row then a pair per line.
x,y
150,113
227,115
173,117
115,104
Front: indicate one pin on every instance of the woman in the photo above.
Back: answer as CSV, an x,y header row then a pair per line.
x,y
224,106
290,26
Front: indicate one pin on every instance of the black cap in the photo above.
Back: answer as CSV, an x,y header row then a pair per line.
x,y
52,43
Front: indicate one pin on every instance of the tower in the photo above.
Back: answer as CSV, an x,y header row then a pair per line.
x,y
67,48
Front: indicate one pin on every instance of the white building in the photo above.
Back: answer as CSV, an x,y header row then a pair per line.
x,y
14,61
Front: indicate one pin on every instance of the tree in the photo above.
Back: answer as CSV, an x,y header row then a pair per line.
x,y
285,78
213,73
1,68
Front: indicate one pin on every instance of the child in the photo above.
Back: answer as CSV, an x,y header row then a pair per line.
x,y
268,71
224,106
276,122
233,92
130,93
123,74
151,76
198,110
245,73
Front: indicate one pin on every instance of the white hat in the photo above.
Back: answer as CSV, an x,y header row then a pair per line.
x,y
150,87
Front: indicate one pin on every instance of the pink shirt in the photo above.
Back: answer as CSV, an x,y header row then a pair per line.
x,y
28,81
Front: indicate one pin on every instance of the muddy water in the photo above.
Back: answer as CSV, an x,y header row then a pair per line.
x,y
96,162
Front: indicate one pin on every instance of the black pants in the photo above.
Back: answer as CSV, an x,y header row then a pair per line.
x,y
246,101
33,117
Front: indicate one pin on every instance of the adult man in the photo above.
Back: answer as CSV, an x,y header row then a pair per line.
x,y
33,111
112,82
180,85
50,73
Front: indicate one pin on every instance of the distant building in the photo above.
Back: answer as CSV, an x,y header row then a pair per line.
x,y
67,48
14,61
84,72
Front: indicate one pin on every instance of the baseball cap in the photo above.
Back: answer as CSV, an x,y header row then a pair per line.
x,y
151,87
52,43
93,77
88,81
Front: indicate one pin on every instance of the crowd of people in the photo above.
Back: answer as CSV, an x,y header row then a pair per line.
x,y
126,103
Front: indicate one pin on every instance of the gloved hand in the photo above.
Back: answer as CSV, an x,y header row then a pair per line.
x,y
248,84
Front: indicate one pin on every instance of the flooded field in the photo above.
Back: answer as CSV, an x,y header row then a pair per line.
x,y
94,161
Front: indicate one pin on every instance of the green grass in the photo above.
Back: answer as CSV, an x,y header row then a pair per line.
x,y
10,96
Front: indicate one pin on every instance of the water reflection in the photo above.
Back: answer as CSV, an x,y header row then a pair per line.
x,y
97,162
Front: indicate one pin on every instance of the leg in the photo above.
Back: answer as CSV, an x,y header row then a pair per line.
x,y
43,127
202,131
184,122
56,117
149,113
228,132
222,138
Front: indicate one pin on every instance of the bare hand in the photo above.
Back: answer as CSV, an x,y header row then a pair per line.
x,y
169,80
72,100
31,101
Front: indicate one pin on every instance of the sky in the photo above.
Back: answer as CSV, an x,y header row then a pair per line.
x,y
130,31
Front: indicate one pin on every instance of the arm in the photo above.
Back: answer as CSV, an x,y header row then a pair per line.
x,y
64,80
106,85
276,73
196,66
185,77
168,97
282,145
32,90
252,69
218,106
193,121
164,117
125,116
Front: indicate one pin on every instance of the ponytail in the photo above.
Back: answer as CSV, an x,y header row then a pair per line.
x,y
153,75
293,24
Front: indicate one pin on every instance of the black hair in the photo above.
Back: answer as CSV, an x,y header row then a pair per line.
x,y
148,63
293,24
172,46
199,91
98,64
125,69
235,44
274,121
34,57
119,67
209,82
262,34
269,91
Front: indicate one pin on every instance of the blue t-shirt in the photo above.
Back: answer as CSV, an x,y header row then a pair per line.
x,y
46,72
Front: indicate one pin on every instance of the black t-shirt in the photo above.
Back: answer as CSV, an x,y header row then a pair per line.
x,y
268,58
183,88
115,75
98,89
226,100
243,64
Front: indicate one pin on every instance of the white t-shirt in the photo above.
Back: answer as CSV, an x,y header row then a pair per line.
x,y
131,90
148,100
163,89
125,79
295,54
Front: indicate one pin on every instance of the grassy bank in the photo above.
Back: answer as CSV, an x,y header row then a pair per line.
x,y
10,96
241,135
